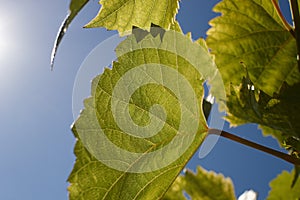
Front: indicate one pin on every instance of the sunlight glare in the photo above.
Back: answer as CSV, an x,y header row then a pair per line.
x,y
6,38
8,44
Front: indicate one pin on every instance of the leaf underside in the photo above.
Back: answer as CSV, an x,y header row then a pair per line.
x,y
203,185
281,187
256,56
122,15
277,116
251,32
90,178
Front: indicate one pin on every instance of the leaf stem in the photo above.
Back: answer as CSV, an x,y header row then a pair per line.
x,y
285,23
254,145
296,18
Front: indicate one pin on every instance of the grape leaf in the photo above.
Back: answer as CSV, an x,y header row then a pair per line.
x,y
278,115
203,185
103,170
264,88
176,191
75,7
122,15
251,31
281,187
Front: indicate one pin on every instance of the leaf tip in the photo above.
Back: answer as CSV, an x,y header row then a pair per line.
x,y
60,34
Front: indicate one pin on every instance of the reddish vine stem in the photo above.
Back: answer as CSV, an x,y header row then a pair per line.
x,y
254,145
296,18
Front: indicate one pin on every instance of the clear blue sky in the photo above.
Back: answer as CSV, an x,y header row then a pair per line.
x,y
36,144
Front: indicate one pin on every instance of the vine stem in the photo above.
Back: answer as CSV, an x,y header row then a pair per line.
x,y
254,145
296,18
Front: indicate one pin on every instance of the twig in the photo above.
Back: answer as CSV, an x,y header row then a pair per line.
x,y
254,145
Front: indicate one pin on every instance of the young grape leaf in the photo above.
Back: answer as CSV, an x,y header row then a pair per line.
x,y
251,31
75,7
278,116
123,15
203,185
265,88
115,162
176,191
281,187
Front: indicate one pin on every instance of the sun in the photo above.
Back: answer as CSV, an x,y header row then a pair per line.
x,y
8,46
6,38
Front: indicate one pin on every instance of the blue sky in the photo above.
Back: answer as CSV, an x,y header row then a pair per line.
x,y
36,144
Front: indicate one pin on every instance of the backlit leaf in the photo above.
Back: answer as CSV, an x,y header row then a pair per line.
x,y
114,163
278,116
203,185
256,56
251,31
281,187
122,15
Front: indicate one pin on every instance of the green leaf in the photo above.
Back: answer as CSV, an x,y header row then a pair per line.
x,y
281,187
176,191
114,156
75,7
256,56
203,185
278,116
251,31
296,175
122,15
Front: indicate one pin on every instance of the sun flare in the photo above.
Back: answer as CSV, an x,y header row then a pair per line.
x,y
6,38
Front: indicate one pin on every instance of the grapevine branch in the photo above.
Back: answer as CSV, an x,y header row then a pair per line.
x,y
254,145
